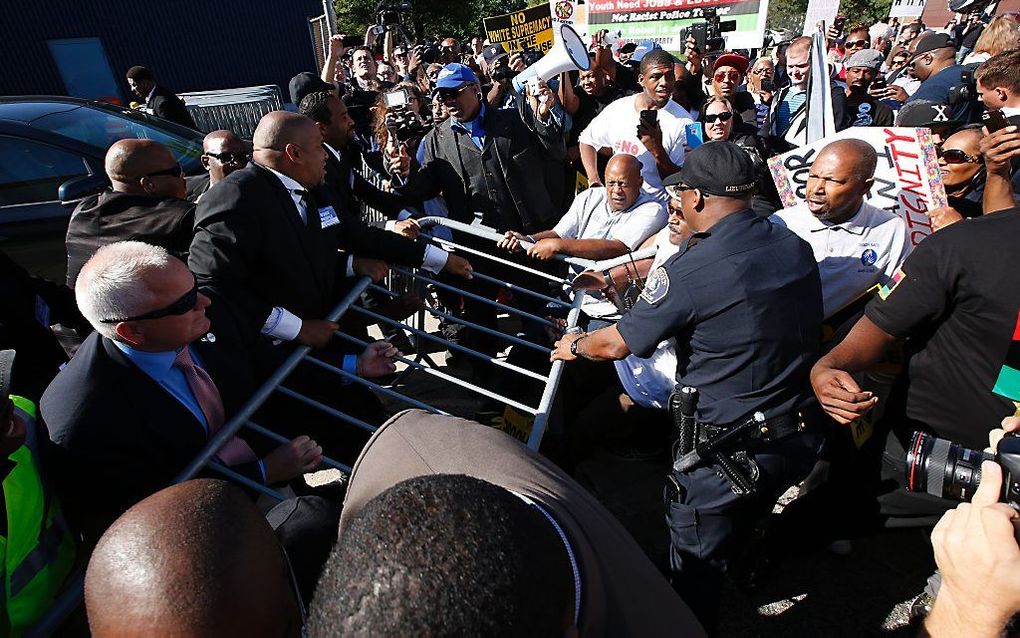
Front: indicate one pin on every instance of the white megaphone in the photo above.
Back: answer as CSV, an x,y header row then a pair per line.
x,y
568,54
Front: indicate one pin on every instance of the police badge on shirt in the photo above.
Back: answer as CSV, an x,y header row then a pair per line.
x,y
656,287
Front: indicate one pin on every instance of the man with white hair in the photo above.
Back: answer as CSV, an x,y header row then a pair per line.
x,y
147,390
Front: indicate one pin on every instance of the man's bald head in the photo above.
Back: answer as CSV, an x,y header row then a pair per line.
x,y
858,155
194,559
623,181
291,144
132,166
223,152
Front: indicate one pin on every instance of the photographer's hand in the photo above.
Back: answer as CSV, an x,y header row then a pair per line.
x,y
976,551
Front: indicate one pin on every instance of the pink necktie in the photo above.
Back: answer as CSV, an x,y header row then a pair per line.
x,y
236,451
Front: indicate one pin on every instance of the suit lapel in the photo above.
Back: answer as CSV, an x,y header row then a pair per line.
x,y
303,233
160,410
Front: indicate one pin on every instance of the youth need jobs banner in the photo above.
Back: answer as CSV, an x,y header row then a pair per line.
x,y
662,20
908,181
530,29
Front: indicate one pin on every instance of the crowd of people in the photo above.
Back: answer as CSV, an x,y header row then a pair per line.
x,y
793,326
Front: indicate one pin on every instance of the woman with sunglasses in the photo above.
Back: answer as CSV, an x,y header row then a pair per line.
x,y
963,175
723,124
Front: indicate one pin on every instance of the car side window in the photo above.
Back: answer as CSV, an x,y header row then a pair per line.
x,y
31,172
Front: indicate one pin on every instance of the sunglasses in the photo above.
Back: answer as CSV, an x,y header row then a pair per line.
x,y
722,76
676,190
182,306
722,117
855,44
230,158
173,171
451,94
956,156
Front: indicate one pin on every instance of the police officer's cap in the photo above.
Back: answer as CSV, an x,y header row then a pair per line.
x,y
715,168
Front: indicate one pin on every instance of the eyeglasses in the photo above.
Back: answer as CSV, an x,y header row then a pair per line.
x,y
762,71
230,158
732,76
956,156
855,44
722,117
173,171
182,306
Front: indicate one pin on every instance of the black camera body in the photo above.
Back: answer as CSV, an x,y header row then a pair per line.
x,y
500,69
965,91
949,470
708,34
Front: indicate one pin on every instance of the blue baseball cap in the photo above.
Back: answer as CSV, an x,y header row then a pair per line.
x,y
644,47
454,76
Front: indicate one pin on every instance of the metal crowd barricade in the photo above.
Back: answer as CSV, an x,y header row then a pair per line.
x,y
72,596
238,110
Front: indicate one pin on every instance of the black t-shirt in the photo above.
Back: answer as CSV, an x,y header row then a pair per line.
x,y
956,299
868,112
589,107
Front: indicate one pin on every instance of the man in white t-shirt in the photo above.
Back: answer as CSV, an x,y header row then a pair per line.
x,y
658,144
857,246
602,223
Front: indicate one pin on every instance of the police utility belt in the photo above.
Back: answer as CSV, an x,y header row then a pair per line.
x,y
700,444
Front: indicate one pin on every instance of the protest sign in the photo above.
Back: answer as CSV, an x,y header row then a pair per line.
x,y
908,181
819,11
907,8
662,20
530,29
570,13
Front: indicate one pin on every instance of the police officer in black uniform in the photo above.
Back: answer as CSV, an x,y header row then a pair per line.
x,y
743,300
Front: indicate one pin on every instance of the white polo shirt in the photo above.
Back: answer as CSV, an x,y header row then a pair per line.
x,y
590,217
853,256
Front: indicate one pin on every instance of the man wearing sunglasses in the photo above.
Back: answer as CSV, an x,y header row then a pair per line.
x,y
730,71
933,60
223,152
147,390
147,203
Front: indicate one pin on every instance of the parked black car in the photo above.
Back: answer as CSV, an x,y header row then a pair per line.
x,y
51,156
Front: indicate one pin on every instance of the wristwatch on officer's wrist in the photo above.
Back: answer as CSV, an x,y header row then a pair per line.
x,y
573,345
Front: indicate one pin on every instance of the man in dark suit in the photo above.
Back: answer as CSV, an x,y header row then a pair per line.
x,y
223,152
30,306
138,401
146,204
158,99
337,128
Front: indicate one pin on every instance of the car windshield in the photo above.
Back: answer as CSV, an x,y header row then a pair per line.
x,y
101,129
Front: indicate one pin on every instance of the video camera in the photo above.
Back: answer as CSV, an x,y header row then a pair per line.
x,y
708,34
401,121
389,14
949,470
966,91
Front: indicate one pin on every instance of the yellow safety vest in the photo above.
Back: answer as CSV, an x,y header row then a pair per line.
x,y
38,552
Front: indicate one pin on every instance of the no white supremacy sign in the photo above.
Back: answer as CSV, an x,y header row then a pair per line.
x,y
907,179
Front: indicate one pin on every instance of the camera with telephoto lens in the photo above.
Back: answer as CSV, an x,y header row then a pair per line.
x,y
500,69
708,34
403,122
389,14
965,91
949,470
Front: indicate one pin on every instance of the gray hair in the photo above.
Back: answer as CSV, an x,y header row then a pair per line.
x,y
112,283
